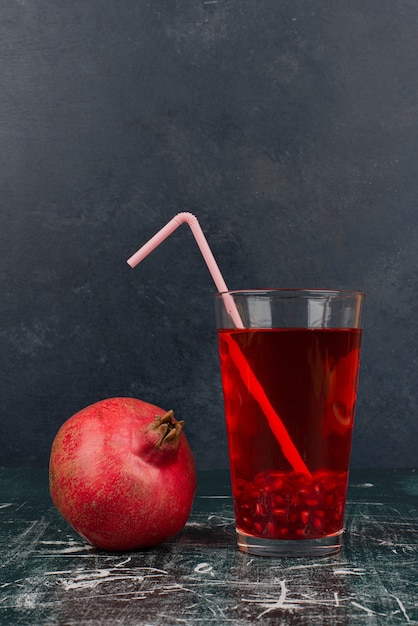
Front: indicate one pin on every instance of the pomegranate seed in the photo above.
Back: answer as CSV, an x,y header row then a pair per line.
x,y
277,512
317,489
304,516
279,502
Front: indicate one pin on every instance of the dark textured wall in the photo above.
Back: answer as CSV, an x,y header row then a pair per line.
x,y
288,128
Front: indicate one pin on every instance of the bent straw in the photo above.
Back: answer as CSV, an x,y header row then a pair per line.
x,y
200,238
289,449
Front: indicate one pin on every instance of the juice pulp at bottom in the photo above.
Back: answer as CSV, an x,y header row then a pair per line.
x,y
310,378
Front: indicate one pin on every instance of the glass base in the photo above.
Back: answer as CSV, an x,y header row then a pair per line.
x,y
325,546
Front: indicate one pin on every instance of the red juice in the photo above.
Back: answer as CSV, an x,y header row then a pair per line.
x,y
310,378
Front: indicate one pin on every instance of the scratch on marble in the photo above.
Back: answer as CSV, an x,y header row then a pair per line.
x,y
270,604
73,549
382,505
2,586
355,571
402,607
204,568
21,506
91,579
222,518
215,497
56,543
364,608
280,602
364,485
393,544
123,562
25,542
310,566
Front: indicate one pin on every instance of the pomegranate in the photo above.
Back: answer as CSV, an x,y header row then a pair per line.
x,y
122,474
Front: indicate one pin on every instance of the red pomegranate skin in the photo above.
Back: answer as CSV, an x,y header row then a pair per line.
x,y
117,482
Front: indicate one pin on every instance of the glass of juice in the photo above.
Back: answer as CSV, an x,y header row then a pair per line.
x,y
289,377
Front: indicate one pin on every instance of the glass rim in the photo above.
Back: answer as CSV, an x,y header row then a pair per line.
x,y
293,291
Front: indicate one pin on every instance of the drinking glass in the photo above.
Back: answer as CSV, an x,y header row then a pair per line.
x,y
289,377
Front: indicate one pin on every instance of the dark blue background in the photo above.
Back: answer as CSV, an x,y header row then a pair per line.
x,y
288,128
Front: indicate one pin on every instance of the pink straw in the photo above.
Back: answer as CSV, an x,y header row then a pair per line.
x,y
169,228
289,449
